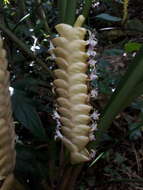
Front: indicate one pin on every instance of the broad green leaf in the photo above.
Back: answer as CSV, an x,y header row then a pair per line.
x,y
67,11
25,112
62,5
108,17
31,164
23,84
70,12
121,95
132,46
136,93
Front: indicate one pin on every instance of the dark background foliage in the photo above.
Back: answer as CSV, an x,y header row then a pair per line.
x,y
27,26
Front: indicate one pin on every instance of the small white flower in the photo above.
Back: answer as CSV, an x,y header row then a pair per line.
x,y
92,42
96,4
93,127
56,115
58,134
92,62
93,76
91,137
50,50
94,93
91,53
58,123
93,153
95,115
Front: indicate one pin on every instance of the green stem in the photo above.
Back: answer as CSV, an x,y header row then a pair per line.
x,y
66,179
42,16
86,8
62,5
74,175
70,12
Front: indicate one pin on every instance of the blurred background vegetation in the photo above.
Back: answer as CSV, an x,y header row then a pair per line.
x,y
27,26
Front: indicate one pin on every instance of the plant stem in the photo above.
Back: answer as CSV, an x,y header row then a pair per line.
x,y
23,48
70,176
70,12
62,5
61,165
42,15
86,8
66,179
45,185
74,175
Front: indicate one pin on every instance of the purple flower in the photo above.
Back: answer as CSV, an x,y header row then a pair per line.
x,y
91,53
95,115
92,62
56,115
94,93
93,76
58,134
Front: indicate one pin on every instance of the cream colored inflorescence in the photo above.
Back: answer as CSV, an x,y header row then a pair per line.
x,y
7,135
72,89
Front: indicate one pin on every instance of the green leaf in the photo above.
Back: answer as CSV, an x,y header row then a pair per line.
x,y
31,163
132,46
21,20
62,5
86,8
104,88
25,112
113,52
121,95
23,84
135,131
98,157
119,158
108,17
135,25
136,93
71,12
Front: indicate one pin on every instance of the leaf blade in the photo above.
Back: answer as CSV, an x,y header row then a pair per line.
x,y
119,98
108,17
26,114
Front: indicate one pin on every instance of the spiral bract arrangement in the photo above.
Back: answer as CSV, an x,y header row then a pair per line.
x,y
72,89
7,137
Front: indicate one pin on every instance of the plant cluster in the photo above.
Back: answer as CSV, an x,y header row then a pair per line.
x,y
52,95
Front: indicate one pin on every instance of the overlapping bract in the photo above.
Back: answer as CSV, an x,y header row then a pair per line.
x,y
71,88
7,135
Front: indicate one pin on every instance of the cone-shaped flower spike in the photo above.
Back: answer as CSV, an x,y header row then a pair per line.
x,y
7,136
72,89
